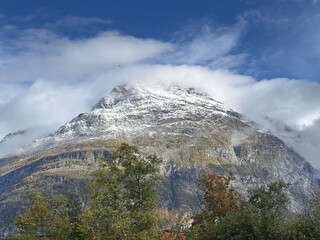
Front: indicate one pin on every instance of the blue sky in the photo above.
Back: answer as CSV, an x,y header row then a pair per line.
x,y
279,38
262,58
155,19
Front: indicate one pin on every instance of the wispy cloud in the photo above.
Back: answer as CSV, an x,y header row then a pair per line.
x,y
286,36
67,25
75,22
204,43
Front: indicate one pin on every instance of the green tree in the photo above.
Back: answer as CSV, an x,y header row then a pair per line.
x,y
54,215
35,220
301,227
270,198
304,225
106,217
123,197
248,224
141,175
73,209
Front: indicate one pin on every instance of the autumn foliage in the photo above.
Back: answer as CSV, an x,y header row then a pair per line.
x,y
219,199
174,220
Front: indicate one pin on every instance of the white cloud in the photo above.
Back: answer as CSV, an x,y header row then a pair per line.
x,y
8,92
47,79
308,120
48,56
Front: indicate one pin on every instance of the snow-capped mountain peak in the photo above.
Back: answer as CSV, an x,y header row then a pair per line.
x,y
129,110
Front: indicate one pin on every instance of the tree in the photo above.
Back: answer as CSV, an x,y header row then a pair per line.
x,y
73,209
226,216
304,225
105,217
123,197
219,198
49,214
270,198
244,224
301,227
141,175
37,219
269,204
218,201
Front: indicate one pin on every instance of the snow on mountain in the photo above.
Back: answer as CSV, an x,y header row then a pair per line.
x,y
130,110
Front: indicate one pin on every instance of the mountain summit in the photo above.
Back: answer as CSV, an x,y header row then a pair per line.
x,y
132,110
192,132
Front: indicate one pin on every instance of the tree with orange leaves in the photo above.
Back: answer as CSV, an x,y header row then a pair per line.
x,y
219,199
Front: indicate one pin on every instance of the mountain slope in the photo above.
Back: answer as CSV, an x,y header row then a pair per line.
x,y
190,131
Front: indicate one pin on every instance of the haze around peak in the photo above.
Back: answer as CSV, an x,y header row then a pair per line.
x,y
47,77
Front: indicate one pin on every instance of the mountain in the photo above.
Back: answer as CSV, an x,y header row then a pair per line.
x,y
192,132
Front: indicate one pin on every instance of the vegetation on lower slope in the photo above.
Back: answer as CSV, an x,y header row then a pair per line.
x,y
264,215
122,204
70,167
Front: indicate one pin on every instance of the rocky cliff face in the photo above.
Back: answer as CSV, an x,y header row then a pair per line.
x,y
193,134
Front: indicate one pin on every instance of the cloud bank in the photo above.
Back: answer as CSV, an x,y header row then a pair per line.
x,y
47,79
